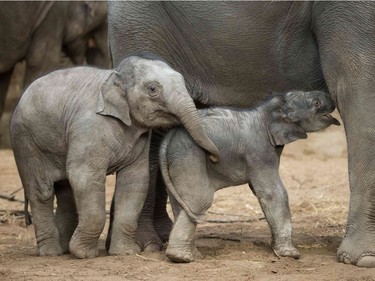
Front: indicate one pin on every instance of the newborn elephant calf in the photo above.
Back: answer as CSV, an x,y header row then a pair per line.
x,y
73,127
250,144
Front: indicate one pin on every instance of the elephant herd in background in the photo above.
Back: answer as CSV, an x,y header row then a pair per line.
x,y
42,32
235,54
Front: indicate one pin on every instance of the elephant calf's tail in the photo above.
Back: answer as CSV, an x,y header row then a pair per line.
x,y
166,176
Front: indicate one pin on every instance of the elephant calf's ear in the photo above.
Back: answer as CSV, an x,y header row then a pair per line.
x,y
282,131
112,100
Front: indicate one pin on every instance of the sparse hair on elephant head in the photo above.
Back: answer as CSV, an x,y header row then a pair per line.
x,y
146,91
296,113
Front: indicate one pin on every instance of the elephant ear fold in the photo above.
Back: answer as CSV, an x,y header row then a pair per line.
x,y
112,100
281,130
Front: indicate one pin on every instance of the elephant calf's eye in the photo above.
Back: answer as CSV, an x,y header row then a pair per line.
x,y
153,89
317,104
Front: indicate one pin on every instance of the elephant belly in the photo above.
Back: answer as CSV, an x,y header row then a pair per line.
x,y
230,53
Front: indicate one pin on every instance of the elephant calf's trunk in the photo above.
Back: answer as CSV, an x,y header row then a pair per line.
x,y
189,117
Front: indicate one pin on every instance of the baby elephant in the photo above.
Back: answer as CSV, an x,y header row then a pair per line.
x,y
250,144
73,127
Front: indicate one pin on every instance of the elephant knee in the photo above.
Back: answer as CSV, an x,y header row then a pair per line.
x,y
92,223
201,203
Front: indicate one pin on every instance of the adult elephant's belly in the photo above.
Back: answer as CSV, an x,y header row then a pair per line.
x,y
229,53
238,57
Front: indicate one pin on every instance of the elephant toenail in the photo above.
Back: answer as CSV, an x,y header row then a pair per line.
x,y
366,261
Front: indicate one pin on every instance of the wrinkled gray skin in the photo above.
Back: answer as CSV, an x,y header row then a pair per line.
x,y
235,53
73,127
40,31
250,144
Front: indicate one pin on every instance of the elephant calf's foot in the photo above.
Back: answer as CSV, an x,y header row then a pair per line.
x,y
286,249
51,250
179,254
81,250
122,249
357,252
149,241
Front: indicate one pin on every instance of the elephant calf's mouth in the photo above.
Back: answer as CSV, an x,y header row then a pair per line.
x,y
330,119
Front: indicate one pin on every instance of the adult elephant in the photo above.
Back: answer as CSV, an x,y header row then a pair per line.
x,y
39,31
234,53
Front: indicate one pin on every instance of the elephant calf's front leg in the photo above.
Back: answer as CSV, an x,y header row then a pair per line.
x,y
130,195
89,192
273,199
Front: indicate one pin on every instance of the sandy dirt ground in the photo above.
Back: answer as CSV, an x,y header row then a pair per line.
x,y
234,238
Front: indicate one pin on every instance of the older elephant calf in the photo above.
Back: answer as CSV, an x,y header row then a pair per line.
x,y
250,144
73,127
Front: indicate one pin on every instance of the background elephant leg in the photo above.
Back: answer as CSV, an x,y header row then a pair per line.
x,y
273,198
66,216
349,72
4,85
43,57
89,193
44,52
76,50
98,52
163,224
111,218
147,237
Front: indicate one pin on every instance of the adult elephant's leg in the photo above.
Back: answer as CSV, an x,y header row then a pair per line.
x,y
163,224
4,85
147,237
346,45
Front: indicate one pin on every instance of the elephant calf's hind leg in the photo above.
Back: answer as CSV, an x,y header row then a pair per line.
x,y
46,232
181,247
66,216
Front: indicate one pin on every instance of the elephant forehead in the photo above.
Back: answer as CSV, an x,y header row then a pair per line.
x,y
157,70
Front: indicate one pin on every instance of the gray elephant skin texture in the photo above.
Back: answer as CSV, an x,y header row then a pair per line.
x,y
73,127
39,32
235,53
250,144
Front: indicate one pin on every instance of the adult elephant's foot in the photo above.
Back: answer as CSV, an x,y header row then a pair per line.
x,y
64,243
82,250
183,254
286,249
359,251
148,239
122,249
51,249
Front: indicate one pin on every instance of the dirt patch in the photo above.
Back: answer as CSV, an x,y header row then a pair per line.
x,y
234,239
